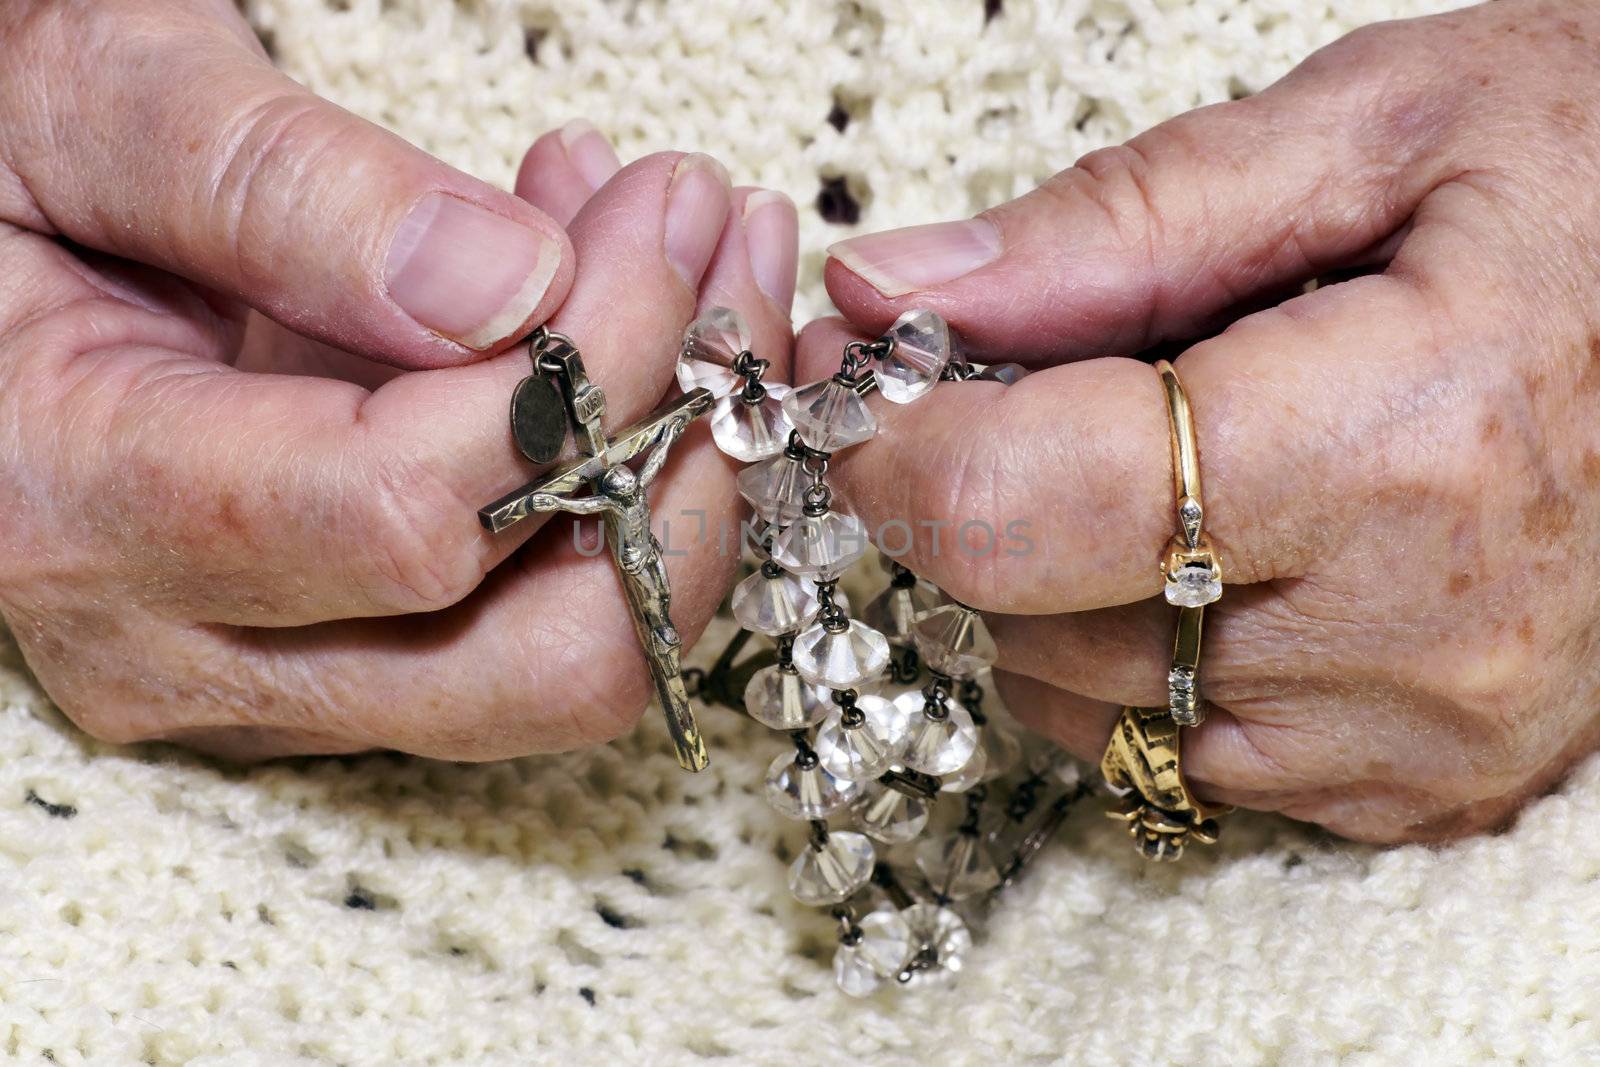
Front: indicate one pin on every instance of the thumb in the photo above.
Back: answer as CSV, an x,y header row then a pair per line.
x,y
183,148
1155,239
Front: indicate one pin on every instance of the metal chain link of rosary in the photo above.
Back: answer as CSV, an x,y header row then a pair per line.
x,y
884,713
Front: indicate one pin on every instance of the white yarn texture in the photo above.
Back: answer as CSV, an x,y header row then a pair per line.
x,y
603,907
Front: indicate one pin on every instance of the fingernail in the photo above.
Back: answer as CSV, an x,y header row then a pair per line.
x,y
697,209
771,234
466,273
897,262
590,154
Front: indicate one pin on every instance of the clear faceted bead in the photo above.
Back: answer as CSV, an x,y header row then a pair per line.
x,y
776,605
776,489
842,660
893,609
936,746
796,791
889,815
832,873
1001,750
711,344
973,772
958,866
822,546
921,350
953,640
863,752
880,951
782,700
751,432
830,415
940,941
853,973
1193,585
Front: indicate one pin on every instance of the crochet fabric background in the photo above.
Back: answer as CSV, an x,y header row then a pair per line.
x,y
603,907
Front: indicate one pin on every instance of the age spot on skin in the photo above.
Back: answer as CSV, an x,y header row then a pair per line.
x,y
1525,630
1567,115
231,516
1549,514
1460,583
1492,427
1589,382
1590,469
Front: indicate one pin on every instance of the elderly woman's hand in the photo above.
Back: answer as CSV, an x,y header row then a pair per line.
x,y
1402,469
240,530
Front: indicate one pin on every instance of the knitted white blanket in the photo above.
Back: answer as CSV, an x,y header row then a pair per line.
x,y
604,907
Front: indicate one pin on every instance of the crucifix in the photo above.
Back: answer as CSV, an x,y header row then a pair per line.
x,y
558,392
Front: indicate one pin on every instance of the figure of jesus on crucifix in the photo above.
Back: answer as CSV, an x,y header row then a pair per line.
x,y
619,498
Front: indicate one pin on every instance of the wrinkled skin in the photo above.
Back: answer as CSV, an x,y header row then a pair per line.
x,y
256,533
1402,469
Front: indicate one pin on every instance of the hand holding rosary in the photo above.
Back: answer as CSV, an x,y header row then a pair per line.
x,y
885,714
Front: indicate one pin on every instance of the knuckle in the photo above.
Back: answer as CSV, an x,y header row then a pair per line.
x,y
420,557
1496,695
274,144
1117,184
963,500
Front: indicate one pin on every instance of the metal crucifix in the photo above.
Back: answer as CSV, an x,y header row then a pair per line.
x,y
559,391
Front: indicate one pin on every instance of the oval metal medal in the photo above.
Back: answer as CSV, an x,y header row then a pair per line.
x,y
538,418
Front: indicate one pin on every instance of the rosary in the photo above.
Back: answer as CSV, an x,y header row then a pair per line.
x,y
884,715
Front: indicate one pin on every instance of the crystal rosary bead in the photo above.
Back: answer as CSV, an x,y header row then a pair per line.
x,y
776,489
830,415
952,639
889,815
941,942
873,950
893,610
831,870
958,866
751,430
772,601
799,787
860,741
711,346
941,736
974,772
920,352
781,700
840,658
822,546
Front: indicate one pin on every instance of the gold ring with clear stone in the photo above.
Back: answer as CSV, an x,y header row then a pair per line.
x,y
1190,572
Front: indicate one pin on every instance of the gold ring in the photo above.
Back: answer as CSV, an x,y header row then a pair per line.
x,y
1189,569
1143,761
1143,764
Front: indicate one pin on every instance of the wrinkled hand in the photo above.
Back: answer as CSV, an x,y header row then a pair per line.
x,y
1402,469
243,531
